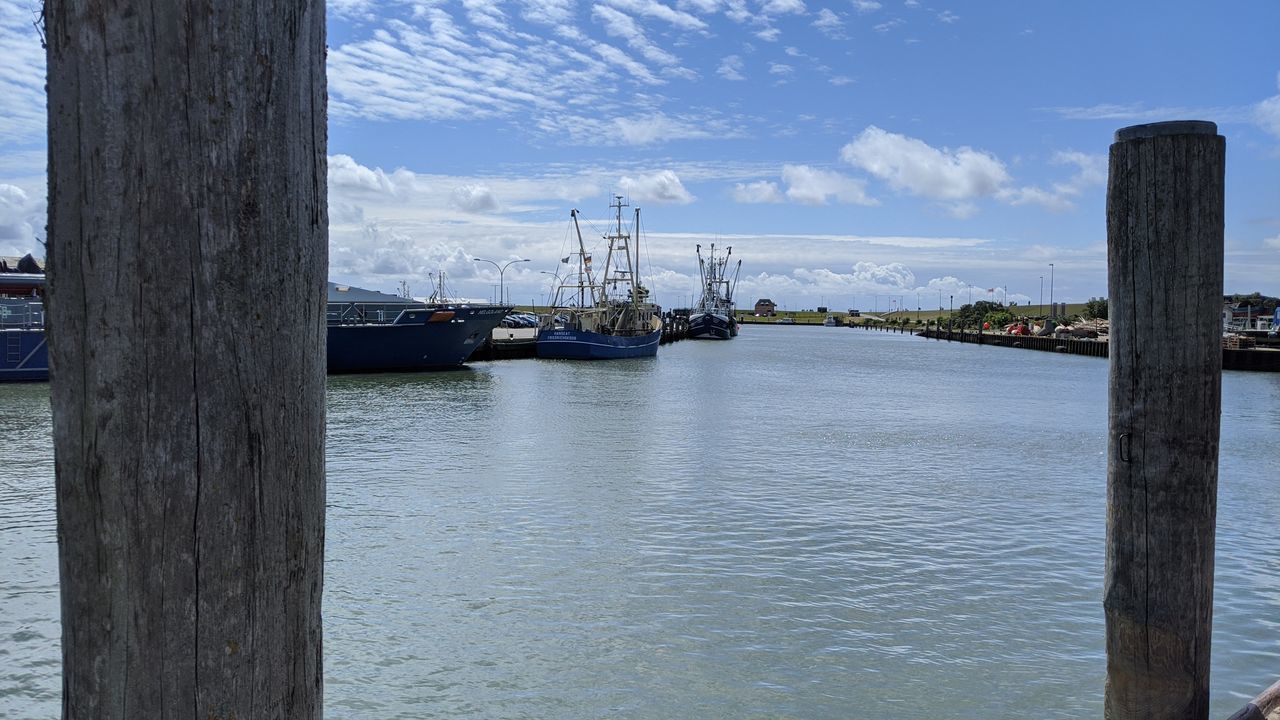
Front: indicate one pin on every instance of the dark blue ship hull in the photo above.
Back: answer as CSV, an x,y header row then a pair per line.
x,y
24,355
710,326
568,344
421,339
425,345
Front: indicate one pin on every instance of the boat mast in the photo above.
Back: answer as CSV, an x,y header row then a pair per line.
x,y
734,289
583,266
702,276
635,269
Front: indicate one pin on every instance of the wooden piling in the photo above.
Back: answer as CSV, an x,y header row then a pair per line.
x,y
1165,259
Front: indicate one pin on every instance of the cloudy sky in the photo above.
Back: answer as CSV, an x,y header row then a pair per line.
x,y
854,153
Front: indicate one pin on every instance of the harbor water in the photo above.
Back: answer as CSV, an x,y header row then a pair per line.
x,y
802,522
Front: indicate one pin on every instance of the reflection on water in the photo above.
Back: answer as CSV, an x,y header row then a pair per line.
x,y
804,522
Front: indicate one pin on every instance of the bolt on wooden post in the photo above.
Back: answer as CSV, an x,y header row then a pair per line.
x,y
1165,259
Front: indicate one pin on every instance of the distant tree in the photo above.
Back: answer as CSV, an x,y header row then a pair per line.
x,y
1095,309
1265,303
998,319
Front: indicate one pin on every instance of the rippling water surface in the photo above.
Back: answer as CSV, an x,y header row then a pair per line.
x,y
802,522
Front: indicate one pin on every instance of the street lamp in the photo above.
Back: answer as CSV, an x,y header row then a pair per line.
x,y
502,270
553,295
1041,294
1051,312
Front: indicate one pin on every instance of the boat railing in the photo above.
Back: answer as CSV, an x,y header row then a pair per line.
x,y
366,313
21,314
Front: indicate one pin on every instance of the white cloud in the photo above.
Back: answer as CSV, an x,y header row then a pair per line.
x,y
22,76
914,166
839,80
20,215
548,12
657,10
866,6
485,14
731,68
829,24
780,69
959,177
1272,242
782,7
1091,172
1267,113
1092,168
895,275
663,187
345,172
947,17
659,127
440,68
761,191
474,198
1137,111
618,24
769,34
886,26
810,186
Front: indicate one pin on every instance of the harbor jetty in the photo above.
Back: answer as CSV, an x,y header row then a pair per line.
x,y
1233,358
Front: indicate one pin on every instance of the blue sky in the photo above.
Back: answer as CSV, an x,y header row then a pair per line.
x,y
850,152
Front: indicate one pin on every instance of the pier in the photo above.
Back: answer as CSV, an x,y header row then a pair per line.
x,y
1254,359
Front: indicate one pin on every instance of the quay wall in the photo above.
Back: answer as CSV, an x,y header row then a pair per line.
x,y
1266,360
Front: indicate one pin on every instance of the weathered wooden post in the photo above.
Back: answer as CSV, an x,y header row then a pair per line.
x,y
187,259
1165,257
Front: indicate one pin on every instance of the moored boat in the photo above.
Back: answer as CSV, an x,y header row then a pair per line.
x,y
370,331
714,316
608,317
24,355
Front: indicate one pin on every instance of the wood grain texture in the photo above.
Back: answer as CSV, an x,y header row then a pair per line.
x,y
1165,262
187,259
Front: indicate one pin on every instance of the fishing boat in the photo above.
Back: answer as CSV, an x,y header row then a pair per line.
x,y
368,331
605,315
371,331
830,321
714,317
24,355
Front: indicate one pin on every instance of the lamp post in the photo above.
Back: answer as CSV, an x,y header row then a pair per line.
x,y
1041,294
1051,290
502,269
552,296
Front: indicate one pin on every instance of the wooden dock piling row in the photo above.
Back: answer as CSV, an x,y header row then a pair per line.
x,y
1072,346
1255,360
674,328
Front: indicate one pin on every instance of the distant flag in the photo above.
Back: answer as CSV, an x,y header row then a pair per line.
x,y
586,260
564,260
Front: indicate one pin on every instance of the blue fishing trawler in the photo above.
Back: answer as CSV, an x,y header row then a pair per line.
x,y
607,316
714,316
24,356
